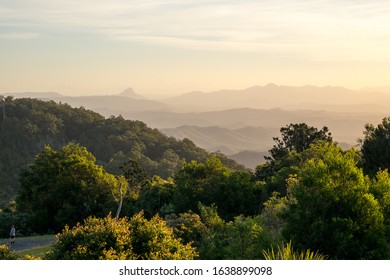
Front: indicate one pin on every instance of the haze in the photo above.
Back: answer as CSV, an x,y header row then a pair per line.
x,y
173,46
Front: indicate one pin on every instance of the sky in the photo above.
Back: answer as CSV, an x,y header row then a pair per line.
x,y
170,47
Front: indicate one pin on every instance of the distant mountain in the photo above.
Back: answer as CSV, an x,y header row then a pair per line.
x,y
129,92
224,140
274,96
250,159
344,126
113,104
126,101
343,111
377,89
356,108
247,145
40,95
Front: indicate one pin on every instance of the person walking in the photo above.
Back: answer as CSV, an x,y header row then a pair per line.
x,y
12,234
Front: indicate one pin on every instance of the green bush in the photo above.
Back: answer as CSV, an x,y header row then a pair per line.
x,y
108,239
242,238
6,253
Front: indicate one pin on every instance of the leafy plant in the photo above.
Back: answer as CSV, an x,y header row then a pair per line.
x,y
6,253
111,239
287,252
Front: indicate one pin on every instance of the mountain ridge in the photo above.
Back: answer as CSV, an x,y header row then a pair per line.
x,y
272,95
224,140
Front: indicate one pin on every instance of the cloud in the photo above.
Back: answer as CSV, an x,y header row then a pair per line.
x,y
18,36
313,28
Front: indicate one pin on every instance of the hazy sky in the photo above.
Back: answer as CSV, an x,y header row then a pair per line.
x,y
175,46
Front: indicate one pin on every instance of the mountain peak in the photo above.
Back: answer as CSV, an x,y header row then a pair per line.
x,y
129,92
271,85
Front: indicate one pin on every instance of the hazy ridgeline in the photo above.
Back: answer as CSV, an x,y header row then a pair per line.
x,y
241,123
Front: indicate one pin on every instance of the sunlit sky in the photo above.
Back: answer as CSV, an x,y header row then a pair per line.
x,y
174,46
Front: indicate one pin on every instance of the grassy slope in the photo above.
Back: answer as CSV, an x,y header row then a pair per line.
x,y
35,246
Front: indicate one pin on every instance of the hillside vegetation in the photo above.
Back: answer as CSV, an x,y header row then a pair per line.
x,y
27,125
310,199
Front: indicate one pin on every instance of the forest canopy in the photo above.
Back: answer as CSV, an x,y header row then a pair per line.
x,y
28,125
71,169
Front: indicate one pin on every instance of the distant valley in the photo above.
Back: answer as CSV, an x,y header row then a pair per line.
x,y
247,145
241,123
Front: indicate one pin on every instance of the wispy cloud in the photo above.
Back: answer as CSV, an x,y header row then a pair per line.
x,y
18,36
318,29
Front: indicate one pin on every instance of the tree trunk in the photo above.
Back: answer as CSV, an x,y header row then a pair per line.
x,y
118,211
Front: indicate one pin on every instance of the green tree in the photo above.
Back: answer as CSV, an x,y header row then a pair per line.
x,y
233,192
134,174
286,155
275,174
64,187
2,104
109,239
376,147
156,197
380,188
272,216
196,182
188,226
296,137
330,207
241,238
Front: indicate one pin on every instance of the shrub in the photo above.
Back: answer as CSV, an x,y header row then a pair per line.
x,y
108,239
6,253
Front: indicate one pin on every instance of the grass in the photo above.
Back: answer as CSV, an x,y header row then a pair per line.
x,y
37,252
33,246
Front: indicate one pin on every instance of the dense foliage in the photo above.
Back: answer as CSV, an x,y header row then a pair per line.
x,y
233,192
310,200
287,153
376,147
215,238
109,239
331,208
6,253
27,125
64,187
297,137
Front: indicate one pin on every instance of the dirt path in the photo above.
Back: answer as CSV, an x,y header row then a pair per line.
x,y
24,243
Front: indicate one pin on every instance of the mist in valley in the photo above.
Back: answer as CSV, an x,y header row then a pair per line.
x,y
242,123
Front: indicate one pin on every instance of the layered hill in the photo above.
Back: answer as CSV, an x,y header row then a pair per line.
x,y
344,126
212,119
27,125
286,97
109,105
225,140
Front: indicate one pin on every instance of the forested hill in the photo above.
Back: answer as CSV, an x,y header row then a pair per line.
x,y
27,125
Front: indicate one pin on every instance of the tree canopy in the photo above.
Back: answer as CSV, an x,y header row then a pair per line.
x,y
296,137
331,209
233,192
64,187
376,147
